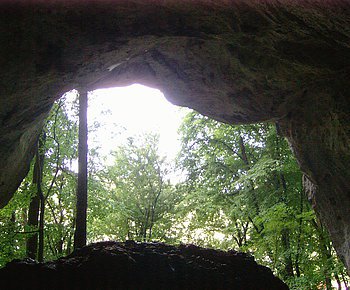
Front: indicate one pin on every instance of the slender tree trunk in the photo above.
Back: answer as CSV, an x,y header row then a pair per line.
x,y
345,281
81,207
247,164
285,233
325,253
288,263
69,245
33,216
338,281
33,212
12,241
297,256
154,205
70,238
145,225
41,225
285,237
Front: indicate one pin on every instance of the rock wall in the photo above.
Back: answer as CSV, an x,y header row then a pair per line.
x,y
236,61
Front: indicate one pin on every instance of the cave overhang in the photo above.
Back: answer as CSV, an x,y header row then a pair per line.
x,y
235,61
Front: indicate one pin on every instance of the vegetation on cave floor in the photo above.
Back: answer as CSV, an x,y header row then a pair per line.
x,y
241,189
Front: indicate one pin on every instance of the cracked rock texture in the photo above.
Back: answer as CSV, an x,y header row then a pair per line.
x,y
235,61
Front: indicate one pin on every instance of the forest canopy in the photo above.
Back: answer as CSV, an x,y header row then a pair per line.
x,y
241,189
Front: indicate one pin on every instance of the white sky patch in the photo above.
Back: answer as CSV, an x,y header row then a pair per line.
x,y
138,109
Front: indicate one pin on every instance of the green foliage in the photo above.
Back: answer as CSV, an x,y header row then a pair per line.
x,y
140,197
58,185
241,190
12,244
244,187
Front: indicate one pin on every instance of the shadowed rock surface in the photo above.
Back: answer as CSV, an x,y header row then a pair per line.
x,y
130,265
286,62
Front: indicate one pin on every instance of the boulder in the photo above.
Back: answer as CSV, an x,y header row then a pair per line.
x,y
130,265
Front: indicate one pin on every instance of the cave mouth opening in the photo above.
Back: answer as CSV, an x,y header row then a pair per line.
x,y
246,54
131,125
261,159
119,113
135,110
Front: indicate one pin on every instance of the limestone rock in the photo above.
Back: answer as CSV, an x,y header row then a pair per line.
x,y
235,61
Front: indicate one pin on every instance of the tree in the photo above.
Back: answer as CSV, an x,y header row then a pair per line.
x,y
216,158
142,194
244,184
58,185
34,207
242,190
60,180
55,148
81,212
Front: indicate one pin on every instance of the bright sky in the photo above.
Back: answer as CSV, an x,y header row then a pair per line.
x,y
138,109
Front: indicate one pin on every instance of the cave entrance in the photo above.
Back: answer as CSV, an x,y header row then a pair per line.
x,y
132,133
242,187
264,71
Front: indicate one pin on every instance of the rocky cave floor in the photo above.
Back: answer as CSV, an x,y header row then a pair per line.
x,y
131,265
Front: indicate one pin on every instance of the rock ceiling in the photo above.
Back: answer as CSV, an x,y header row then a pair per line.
x,y
235,61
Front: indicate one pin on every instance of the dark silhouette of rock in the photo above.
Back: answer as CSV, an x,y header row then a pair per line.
x,y
130,265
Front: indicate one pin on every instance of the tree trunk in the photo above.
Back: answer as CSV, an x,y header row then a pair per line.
x,y
70,238
41,225
338,281
345,281
288,271
326,256
33,216
300,229
244,158
33,211
12,241
81,206
288,262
